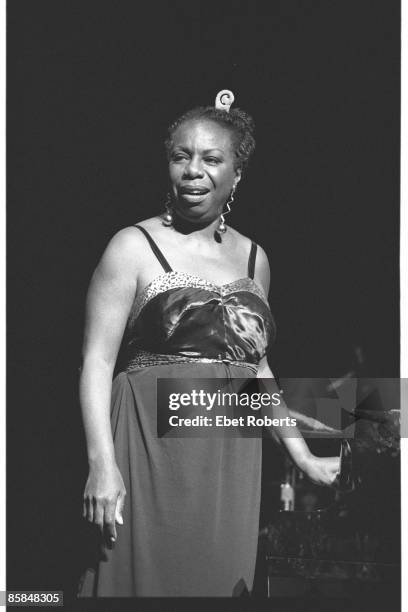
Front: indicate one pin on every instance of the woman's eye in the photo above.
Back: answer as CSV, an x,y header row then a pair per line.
x,y
212,160
178,157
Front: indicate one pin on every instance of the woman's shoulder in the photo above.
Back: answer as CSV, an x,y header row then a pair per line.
x,y
245,242
130,237
262,269
127,246
151,224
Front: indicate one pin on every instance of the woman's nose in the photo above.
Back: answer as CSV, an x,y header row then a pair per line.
x,y
193,168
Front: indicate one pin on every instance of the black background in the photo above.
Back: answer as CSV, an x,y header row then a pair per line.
x,y
92,87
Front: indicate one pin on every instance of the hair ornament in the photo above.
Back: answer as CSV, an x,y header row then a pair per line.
x,y
224,99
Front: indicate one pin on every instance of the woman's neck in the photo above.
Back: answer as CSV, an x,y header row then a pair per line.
x,y
206,230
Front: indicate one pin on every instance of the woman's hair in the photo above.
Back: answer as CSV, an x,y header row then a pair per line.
x,y
240,124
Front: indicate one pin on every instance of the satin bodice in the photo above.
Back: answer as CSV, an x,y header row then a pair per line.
x,y
182,314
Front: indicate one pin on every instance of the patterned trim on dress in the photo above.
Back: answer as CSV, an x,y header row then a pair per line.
x,y
144,359
175,280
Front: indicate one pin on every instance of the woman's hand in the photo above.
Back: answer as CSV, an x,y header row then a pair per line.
x,y
322,470
104,497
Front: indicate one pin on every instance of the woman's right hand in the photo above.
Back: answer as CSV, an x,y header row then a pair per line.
x,y
104,498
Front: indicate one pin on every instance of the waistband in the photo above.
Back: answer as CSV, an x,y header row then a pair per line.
x,y
144,359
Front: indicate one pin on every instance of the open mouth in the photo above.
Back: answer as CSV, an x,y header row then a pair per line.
x,y
194,191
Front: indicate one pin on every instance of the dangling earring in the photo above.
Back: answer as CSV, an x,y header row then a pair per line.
x,y
222,228
168,216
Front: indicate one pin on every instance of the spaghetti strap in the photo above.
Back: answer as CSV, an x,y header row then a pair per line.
x,y
251,260
165,264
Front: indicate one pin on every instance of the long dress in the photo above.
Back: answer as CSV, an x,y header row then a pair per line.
x,y
191,511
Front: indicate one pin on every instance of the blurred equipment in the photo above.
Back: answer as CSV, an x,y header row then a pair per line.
x,y
350,546
287,495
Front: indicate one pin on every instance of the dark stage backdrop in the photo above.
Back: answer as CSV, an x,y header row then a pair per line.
x,y
92,86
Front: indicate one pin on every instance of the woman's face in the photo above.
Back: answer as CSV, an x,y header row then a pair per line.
x,y
201,169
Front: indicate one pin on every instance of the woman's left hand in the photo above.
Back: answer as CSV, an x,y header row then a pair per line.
x,y
322,470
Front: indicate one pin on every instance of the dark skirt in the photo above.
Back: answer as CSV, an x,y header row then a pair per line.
x,y
191,512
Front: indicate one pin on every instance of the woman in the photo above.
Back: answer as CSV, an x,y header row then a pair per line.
x,y
187,509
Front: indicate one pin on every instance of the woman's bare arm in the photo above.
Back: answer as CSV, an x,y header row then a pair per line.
x,y
109,300
290,436
321,470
